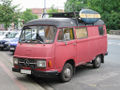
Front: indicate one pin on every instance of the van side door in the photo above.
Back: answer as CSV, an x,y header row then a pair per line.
x,y
65,47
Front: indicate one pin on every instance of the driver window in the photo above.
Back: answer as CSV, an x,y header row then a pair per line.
x,y
66,34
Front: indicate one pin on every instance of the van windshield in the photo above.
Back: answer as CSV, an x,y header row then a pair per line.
x,y
38,34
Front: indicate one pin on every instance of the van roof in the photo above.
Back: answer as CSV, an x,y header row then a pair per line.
x,y
61,22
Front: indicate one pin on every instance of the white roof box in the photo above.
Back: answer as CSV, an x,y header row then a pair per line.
x,y
89,16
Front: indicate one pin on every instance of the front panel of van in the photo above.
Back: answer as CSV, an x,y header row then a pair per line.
x,y
35,50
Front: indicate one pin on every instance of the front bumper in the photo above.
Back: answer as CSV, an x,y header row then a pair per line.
x,y
48,74
106,53
5,46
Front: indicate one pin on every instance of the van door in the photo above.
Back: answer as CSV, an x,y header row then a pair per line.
x,y
82,45
65,47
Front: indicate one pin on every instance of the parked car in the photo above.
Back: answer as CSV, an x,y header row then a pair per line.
x,y
3,34
13,43
4,44
62,43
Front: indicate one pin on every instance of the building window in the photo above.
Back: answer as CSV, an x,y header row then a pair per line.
x,y
66,34
101,30
81,32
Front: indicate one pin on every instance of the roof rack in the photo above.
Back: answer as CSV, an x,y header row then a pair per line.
x,y
86,15
64,14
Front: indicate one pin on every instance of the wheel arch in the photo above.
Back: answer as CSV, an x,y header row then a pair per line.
x,y
102,57
71,61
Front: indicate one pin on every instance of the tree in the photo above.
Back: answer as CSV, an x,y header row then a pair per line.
x,y
75,5
52,10
28,15
109,10
8,13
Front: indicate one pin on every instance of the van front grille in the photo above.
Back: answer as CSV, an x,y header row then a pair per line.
x,y
27,63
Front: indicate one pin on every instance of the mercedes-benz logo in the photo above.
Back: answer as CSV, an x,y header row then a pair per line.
x,y
27,62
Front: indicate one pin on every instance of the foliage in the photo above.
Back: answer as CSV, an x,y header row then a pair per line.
x,y
8,13
109,10
75,5
52,10
28,15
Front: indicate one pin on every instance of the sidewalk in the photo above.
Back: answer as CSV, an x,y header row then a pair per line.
x,y
113,36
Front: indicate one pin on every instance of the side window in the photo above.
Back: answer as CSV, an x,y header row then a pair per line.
x,y
81,32
66,34
101,30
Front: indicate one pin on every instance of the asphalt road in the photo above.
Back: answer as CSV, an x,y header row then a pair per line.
x,y
107,77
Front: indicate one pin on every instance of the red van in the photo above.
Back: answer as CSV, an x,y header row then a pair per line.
x,y
55,46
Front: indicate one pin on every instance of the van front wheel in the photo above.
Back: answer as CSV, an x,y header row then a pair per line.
x,y
97,62
66,73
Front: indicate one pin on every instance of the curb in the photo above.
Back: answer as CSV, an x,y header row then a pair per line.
x,y
113,36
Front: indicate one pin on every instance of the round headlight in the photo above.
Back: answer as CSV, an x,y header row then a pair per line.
x,y
41,63
15,61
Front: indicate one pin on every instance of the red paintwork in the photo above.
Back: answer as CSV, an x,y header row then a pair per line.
x,y
79,50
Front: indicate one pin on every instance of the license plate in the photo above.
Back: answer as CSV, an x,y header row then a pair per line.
x,y
23,71
12,48
1,45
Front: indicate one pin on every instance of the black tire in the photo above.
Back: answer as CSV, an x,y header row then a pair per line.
x,y
97,62
67,73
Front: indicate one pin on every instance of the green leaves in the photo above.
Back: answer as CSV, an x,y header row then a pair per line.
x,y
75,5
52,10
27,16
11,14
8,13
109,10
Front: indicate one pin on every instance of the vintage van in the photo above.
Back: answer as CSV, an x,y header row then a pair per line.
x,y
62,42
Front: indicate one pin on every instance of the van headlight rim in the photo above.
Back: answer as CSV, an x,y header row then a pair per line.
x,y
15,61
41,63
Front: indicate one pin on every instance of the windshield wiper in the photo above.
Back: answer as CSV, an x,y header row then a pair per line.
x,y
41,41
32,41
25,41
37,41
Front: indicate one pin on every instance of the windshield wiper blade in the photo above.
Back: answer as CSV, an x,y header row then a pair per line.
x,y
25,41
41,42
38,41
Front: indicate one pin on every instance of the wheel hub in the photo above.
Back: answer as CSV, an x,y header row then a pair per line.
x,y
98,61
67,72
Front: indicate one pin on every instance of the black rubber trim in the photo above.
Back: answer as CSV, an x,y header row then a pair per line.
x,y
106,53
15,70
48,74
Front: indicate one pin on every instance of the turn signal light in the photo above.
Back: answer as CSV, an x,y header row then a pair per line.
x,y
49,63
